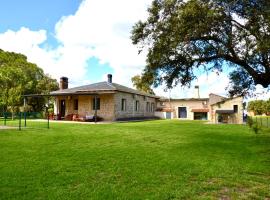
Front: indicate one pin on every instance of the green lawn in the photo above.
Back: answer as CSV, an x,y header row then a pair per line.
x,y
142,160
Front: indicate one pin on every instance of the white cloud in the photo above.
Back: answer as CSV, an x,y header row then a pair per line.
x,y
208,83
98,29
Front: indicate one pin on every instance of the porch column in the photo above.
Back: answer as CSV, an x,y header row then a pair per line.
x,y
95,108
55,106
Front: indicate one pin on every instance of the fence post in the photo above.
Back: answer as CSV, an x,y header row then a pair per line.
x,y
24,119
20,121
48,120
267,121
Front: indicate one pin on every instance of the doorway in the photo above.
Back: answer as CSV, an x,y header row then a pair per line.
x,y
62,108
182,112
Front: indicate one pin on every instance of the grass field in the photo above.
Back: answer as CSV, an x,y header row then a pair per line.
x,y
140,160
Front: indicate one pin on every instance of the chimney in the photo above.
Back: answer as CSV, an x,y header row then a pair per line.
x,y
196,92
63,83
109,78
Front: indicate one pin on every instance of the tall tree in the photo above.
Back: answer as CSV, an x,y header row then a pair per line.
x,y
19,77
141,84
181,36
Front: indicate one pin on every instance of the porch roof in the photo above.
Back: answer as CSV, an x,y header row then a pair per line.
x,y
225,111
99,88
203,110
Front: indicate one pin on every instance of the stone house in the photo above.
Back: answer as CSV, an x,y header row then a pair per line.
x,y
215,108
109,101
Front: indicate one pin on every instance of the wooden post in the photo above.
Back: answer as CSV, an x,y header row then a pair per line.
x,y
95,108
20,121
24,110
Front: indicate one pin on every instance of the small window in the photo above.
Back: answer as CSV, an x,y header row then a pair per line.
x,y
76,104
98,104
123,105
235,108
147,107
137,105
152,107
162,103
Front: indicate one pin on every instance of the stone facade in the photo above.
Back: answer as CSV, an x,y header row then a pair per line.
x,y
130,109
232,118
189,104
110,106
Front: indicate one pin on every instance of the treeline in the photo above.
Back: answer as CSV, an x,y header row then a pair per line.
x,y
19,77
259,107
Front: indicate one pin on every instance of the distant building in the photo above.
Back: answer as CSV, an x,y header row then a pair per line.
x,y
216,109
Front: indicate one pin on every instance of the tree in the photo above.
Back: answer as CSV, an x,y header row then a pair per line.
x,y
257,106
19,77
182,36
142,84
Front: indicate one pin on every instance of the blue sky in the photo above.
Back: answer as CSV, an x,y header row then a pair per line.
x,y
36,14
44,14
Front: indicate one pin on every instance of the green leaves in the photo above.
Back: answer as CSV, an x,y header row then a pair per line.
x,y
19,77
181,36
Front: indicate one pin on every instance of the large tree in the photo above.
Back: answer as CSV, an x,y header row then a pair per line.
x,y
181,36
19,77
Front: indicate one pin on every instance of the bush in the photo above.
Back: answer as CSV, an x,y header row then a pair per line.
x,y
250,122
256,128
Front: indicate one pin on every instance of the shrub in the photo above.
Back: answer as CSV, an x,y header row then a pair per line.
x,y
256,128
250,122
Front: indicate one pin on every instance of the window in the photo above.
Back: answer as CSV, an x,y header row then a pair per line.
x,y
94,104
137,105
123,105
152,107
76,104
162,103
147,107
235,108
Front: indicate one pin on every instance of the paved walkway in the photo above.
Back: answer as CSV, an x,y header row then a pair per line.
x,y
7,127
68,122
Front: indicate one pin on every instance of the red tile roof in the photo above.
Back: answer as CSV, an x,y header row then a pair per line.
x,y
200,110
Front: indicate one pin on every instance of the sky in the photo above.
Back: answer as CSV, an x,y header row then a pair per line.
x,y
87,39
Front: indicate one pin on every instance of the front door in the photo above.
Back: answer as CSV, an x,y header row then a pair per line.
x,y
182,112
62,108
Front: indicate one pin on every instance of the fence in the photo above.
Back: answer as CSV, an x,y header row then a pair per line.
x,y
24,120
263,121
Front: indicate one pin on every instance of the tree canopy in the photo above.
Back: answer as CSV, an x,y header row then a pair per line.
x,y
182,36
141,84
259,107
19,77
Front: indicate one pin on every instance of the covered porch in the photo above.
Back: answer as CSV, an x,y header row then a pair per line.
x,y
84,107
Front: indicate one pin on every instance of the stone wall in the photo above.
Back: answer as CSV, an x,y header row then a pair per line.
x,y
110,106
130,111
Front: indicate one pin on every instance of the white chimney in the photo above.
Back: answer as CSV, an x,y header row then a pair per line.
x,y
196,92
